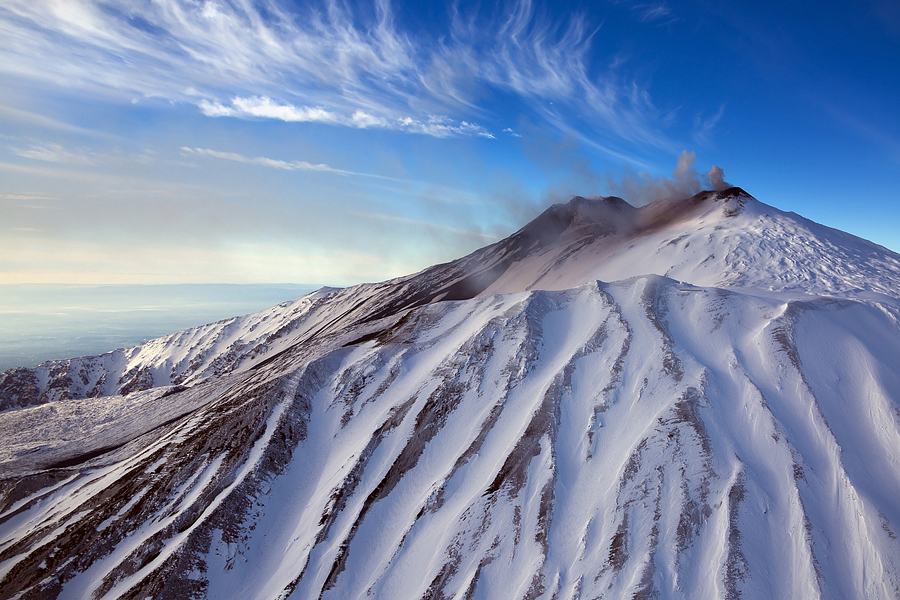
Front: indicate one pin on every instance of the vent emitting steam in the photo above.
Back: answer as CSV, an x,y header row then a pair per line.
x,y
643,188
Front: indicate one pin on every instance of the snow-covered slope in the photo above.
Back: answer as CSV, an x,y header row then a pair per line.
x,y
697,399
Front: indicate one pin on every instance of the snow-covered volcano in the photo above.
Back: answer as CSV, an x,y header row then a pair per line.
x,y
695,399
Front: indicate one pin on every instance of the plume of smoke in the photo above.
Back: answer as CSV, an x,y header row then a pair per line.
x,y
560,159
685,174
642,188
717,178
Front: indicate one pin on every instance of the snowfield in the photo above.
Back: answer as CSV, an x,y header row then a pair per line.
x,y
695,399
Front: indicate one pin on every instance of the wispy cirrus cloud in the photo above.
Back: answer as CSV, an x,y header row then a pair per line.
x,y
329,63
425,224
658,12
264,107
547,64
274,163
302,165
704,127
26,197
42,122
294,165
55,153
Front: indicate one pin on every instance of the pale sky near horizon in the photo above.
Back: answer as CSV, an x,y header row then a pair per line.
x,y
242,141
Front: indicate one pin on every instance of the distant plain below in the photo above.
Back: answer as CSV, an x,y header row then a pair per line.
x,y
40,322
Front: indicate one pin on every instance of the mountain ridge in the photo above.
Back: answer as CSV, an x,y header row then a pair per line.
x,y
507,425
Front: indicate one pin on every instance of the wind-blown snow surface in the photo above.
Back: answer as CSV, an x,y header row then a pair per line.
x,y
692,400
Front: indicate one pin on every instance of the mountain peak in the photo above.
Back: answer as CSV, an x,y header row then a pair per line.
x,y
663,213
610,214
581,203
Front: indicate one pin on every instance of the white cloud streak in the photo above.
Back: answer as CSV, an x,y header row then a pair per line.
x,y
425,224
325,63
55,153
274,163
295,165
26,197
705,127
266,108
445,194
43,122
654,13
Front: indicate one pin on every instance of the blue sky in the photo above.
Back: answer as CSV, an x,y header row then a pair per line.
x,y
243,141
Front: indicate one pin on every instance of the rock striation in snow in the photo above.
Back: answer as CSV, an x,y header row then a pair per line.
x,y
695,399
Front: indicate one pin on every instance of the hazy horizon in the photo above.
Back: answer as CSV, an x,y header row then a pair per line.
x,y
41,322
